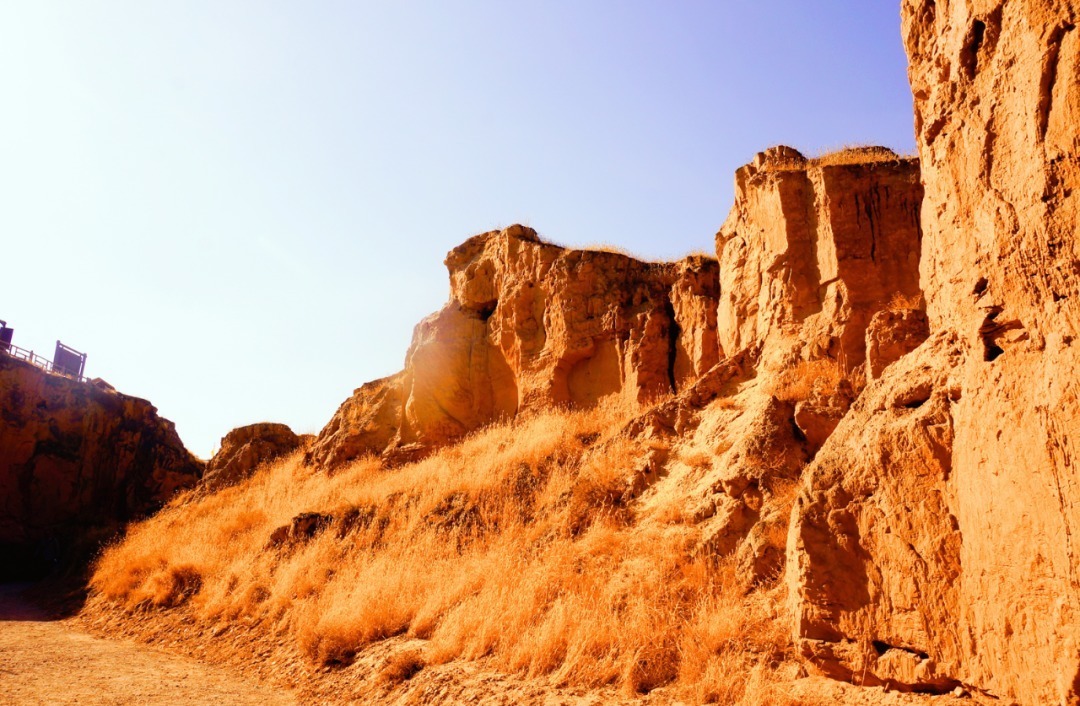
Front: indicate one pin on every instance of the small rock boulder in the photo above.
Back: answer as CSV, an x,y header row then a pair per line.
x,y
246,448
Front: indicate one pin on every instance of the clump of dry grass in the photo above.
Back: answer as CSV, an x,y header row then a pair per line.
x,y
901,301
847,155
615,249
788,164
703,254
857,154
809,379
519,545
402,666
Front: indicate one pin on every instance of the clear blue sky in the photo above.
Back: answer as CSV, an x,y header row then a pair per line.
x,y
239,209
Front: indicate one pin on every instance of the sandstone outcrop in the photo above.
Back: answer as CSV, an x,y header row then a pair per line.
x,y
531,324
246,448
365,423
76,459
932,543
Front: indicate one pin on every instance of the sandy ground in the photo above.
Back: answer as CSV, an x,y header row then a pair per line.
x,y
44,661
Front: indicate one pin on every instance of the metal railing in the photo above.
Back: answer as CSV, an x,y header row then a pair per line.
x,y
39,361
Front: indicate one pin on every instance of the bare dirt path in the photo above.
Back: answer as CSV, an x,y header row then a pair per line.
x,y
45,661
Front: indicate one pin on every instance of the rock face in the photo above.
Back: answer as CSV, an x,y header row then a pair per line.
x,y
77,458
892,334
813,248
246,448
932,544
530,324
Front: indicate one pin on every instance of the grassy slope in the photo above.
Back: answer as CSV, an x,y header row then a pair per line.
x,y
522,547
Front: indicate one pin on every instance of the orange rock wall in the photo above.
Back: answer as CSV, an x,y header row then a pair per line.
x,y
74,457
530,324
997,100
933,542
811,252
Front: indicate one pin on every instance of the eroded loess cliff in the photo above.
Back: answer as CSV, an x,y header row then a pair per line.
x,y
810,253
813,249
933,541
819,277
530,325
77,460
630,527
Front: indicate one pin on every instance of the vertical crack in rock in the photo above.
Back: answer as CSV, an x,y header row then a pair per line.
x,y
674,333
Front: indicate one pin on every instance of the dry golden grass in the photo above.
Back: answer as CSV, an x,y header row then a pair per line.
x,y
518,545
905,301
402,667
856,154
704,254
847,155
614,249
808,379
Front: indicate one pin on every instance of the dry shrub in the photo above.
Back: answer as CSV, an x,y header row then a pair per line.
x,y
518,545
901,301
732,645
703,254
808,379
725,403
697,459
168,587
613,249
847,155
403,666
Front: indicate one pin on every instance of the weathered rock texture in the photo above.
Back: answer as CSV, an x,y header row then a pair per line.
x,y
531,324
813,248
809,254
933,543
76,458
246,448
892,334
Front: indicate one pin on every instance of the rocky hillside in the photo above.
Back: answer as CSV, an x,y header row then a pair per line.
x,y
845,449
77,460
